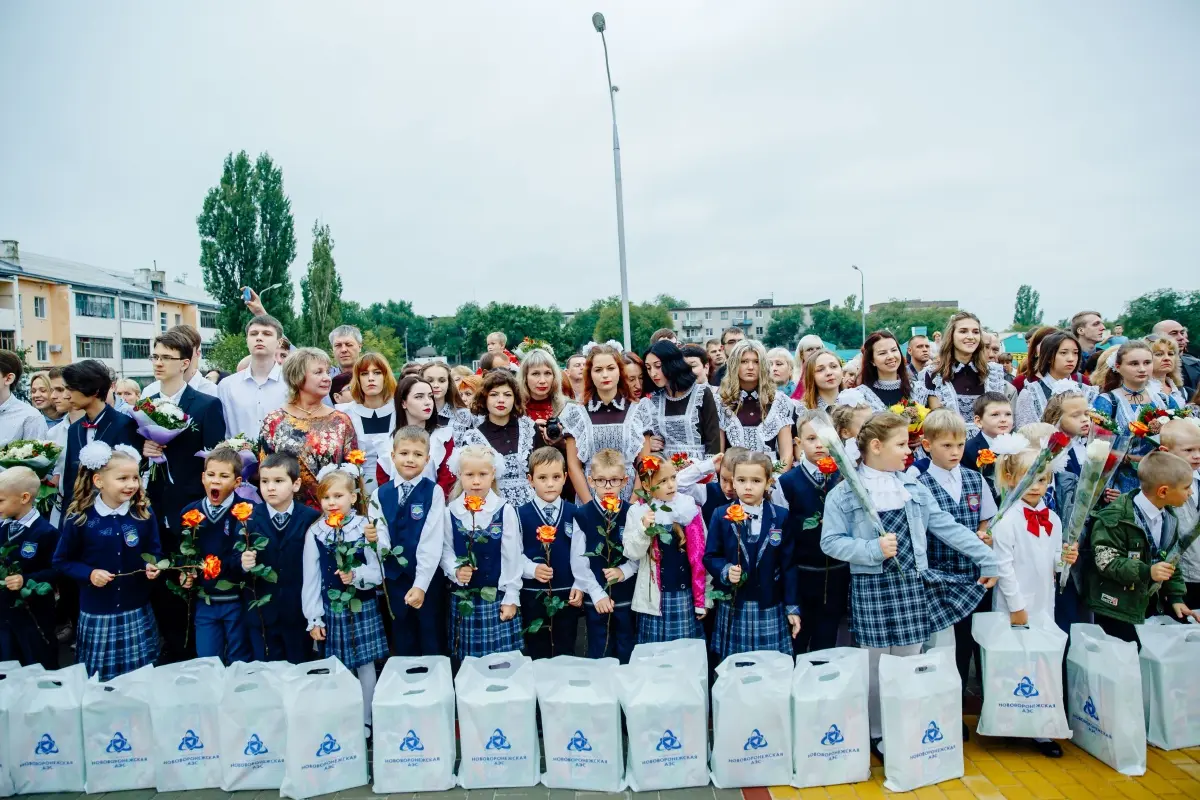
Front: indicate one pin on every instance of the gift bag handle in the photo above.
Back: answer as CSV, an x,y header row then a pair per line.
x,y
579,683
496,687
49,684
245,687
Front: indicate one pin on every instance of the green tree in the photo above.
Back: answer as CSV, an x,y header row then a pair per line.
x,y
398,315
247,239
385,342
898,318
1026,312
582,327
1142,313
226,351
839,325
668,302
448,338
644,320
320,289
784,329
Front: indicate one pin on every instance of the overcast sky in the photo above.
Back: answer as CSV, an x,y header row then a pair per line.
x,y
462,151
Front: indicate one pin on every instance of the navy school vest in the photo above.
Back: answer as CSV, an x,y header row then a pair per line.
x,y
405,523
560,551
486,549
592,522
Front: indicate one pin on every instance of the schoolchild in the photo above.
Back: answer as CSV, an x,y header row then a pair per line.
x,y
1181,437
994,417
26,634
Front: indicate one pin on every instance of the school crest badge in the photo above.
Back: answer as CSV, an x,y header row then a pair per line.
x,y
131,537
29,550
973,501
416,510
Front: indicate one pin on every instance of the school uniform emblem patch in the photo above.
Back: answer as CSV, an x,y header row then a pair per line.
x,y
416,510
775,537
131,537
29,550
973,502
495,530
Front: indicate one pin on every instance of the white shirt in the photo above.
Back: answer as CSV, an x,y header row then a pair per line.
x,y
246,401
1189,515
19,420
25,522
1026,563
198,382
312,593
1153,515
886,489
433,533
103,510
215,512
510,543
951,483
272,511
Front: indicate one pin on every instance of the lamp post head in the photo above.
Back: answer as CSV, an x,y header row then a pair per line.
x,y
598,22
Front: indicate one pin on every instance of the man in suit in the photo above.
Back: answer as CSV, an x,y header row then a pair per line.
x,y
87,383
1189,364
176,484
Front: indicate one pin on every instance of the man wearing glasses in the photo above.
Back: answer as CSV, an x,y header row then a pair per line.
x,y
192,374
1189,363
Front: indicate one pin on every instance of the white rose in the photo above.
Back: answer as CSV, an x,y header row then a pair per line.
x,y
1098,450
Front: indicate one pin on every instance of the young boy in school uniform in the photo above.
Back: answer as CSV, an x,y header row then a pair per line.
x,y
994,417
1181,437
26,635
277,629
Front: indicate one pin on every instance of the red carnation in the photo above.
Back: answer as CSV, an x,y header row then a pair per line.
x,y
1058,441
1111,462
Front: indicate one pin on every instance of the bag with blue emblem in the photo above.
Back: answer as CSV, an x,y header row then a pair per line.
x,y
253,726
752,721
497,701
187,747
581,723
1170,691
667,721
44,732
920,700
326,749
118,733
1022,677
831,730
1104,698
413,715
12,674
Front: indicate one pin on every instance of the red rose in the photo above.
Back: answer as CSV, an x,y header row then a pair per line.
x,y
1058,440
1161,413
1111,462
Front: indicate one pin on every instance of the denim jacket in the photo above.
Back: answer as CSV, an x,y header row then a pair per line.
x,y
847,533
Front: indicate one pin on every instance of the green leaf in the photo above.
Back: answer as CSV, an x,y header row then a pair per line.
x,y
270,575
44,589
149,558
346,596
26,591
465,608
355,605
717,594
333,594
261,543
534,626
488,594
402,561
262,601
812,522
224,585
163,564
240,547
665,508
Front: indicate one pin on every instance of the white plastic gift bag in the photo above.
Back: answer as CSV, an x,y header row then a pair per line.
x,y
326,747
1170,692
1104,699
11,675
497,722
1022,677
921,710
118,733
187,752
45,732
939,640
690,655
253,726
581,723
752,721
413,724
667,724
831,728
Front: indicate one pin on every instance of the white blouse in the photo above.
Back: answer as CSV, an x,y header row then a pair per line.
x,y
511,552
312,593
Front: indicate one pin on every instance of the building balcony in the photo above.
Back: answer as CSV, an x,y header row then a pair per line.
x,y
692,324
8,319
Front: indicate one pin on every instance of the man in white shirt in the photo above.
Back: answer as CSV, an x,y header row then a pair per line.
x,y
192,374
248,396
18,419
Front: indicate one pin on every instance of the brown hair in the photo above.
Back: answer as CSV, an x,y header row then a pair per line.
x,y
589,388
494,380
380,363
757,459
1048,351
946,357
403,389
809,380
546,455
225,455
842,417
607,459
1112,378
880,426
175,339
451,390
1054,406
1029,366
340,476
868,373
1160,468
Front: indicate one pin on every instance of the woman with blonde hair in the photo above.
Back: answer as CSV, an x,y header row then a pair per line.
x,y
1168,374
41,397
752,414
782,369
541,387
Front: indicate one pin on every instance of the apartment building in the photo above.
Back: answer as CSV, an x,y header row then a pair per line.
x,y
707,322
64,311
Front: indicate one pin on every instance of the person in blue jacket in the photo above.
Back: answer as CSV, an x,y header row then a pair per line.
x,y
26,634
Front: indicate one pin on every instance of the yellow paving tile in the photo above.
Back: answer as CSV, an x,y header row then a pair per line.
x,y
1161,765
1075,791
785,793
1135,791
929,793
1190,788
1176,756
1192,753
1155,783
1018,793
946,786
1192,770
983,788
1037,783
844,790
814,793
997,774
869,790
1051,769
959,794
1013,762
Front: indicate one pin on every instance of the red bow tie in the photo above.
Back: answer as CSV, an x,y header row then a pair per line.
x,y
87,425
1034,519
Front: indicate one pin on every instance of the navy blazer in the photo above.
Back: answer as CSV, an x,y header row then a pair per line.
x,y
284,552
970,460
34,559
113,428
805,500
219,539
768,565
114,544
169,496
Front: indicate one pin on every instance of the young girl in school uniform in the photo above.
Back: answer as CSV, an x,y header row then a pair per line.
x,y
482,556
107,528
752,414
888,600
752,562
337,539
669,597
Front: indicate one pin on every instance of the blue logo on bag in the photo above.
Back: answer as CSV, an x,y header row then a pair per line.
x,y
932,734
1025,688
29,550
255,746
498,741
1089,708
832,736
328,746
190,741
756,741
131,538
45,746
669,741
416,510
579,744
411,743
119,744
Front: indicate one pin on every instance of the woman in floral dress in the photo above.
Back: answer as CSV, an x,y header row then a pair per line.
x,y
305,427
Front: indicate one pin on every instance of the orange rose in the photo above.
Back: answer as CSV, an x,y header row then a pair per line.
x,y
474,504
212,567
651,464
242,511
336,520
356,457
193,518
610,503
1138,429
546,534
986,458
826,466
736,514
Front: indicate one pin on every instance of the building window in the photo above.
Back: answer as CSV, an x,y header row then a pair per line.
x,y
162,321
178,319
8,340
724,315
39,307
708,315
136,312
94,305
208,319
758,331
43,350
135,348
758,312
708,331
93,347
675,316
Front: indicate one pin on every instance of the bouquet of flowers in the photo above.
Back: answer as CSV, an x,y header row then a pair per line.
x,y
837,451
1103,421
529,343
914,413
1151,420
1176,552
39,455
1057,442
160,421
1103,455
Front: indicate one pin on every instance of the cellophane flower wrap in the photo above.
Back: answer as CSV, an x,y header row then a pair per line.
x,y
1104,453
1176,552
160,421
837,451
40,455
1057,442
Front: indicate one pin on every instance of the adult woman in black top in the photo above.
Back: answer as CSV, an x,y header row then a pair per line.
x,y
884,379
683,411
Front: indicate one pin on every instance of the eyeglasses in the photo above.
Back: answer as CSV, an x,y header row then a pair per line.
x,y
608,483
157,359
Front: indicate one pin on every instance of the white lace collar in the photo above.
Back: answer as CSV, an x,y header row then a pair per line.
x,y
885,488
351,528
887,385
595,403
491,505
385,410
683,510
103,510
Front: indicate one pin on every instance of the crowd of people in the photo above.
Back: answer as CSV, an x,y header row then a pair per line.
x,y
329,506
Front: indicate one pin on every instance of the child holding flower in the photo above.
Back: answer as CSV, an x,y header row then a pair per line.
x,y
29,539
1181,437
664,533
993,417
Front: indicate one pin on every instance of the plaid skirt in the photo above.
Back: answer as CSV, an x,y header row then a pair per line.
x,y
889,609
748,628
481,632
951,597
355,638
678,620
113,644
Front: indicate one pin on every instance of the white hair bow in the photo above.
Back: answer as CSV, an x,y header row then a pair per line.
x,y
851,448
590,346
96,455
1065,386
853,397
454,463
1111,358
1009,444
350,469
